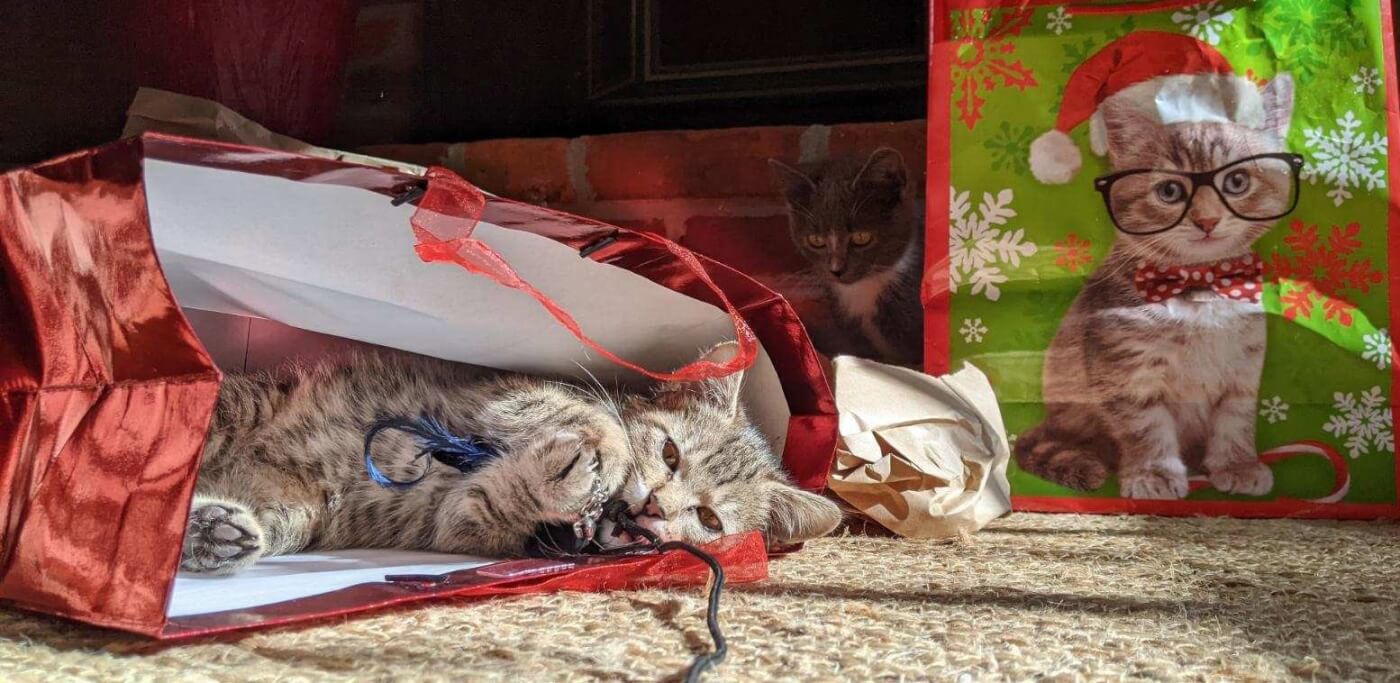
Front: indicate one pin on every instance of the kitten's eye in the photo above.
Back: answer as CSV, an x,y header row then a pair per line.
x,y
671,454
862,238
816,241
1170,192
709,519
1236,183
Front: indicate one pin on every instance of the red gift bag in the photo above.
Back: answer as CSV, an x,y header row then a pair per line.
x,y
110,388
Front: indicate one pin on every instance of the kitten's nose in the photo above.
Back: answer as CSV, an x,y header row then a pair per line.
x,y
1207,225
653,509
838,270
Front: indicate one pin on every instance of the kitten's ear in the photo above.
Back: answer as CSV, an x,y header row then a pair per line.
x,y
723,392
797,187
795,516
1278,105
1131,132
884,168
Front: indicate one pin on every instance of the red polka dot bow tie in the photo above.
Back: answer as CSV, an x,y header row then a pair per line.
x,y
1241,279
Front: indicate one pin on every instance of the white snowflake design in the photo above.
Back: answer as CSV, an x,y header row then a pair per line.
x,y
1364,420
972,330
1059,20
1274,410
1203,20
1377,349
1345,158
1367,80
978,247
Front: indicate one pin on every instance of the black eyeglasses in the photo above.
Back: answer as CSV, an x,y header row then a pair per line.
x,y
1148,201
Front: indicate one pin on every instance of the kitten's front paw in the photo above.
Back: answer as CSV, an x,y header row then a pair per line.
x,y
222,538
1251,478
1154,484
573,474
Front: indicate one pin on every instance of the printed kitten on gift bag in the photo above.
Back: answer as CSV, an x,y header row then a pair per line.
x,y
1154,373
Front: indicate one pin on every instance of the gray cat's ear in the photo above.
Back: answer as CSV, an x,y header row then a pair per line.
x,y
1131,132
795,516
884,168
796,186
1278,105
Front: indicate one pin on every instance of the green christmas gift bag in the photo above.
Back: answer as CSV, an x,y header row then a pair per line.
x,y
1161,228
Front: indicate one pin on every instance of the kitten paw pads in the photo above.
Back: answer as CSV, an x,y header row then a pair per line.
x,y
1245,479
220,539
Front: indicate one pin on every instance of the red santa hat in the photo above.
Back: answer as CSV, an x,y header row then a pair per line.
x,y
1171,76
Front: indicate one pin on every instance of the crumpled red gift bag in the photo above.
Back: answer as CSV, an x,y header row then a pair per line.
x,y
108,391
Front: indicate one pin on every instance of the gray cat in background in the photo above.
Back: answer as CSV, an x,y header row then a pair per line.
x,y
852,221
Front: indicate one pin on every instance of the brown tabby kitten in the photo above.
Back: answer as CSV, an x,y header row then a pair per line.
x,y
1152,391
283,469
851,220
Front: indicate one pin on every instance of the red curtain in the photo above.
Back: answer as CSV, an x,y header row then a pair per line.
x,y
279,62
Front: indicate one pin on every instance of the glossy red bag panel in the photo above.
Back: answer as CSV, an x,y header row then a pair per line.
x,y
109,394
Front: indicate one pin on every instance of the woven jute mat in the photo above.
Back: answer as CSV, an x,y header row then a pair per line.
x,y
1060,598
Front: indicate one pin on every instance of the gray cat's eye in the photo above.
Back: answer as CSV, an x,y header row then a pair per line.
x,y
1147,201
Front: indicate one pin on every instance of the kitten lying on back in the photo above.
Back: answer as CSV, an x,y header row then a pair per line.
x,y
864,242
283,468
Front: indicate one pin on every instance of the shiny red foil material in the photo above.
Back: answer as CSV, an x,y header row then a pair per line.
x,y
108,394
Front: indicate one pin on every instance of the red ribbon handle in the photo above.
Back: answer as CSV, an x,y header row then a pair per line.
x,y
446,217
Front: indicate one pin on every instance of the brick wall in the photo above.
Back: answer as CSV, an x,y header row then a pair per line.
x,y
711,190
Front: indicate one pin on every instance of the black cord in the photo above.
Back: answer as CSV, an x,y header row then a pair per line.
x,y
617,512
709,659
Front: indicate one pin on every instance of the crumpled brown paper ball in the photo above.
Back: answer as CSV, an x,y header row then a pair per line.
x,y
923,456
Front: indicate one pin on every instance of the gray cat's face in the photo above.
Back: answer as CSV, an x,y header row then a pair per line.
x,y
704,471
1209,230
848,217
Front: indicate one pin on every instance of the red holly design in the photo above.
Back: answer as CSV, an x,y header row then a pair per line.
x,y
1257,80
1073,253
982,60
1318,273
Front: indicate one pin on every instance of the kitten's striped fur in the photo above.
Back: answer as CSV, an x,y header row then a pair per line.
x,y
283,472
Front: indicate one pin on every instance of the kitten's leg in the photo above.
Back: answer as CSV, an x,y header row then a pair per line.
x,y
503,504
1232,461
232,526
1056,450
1151,465
287,527
222,537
